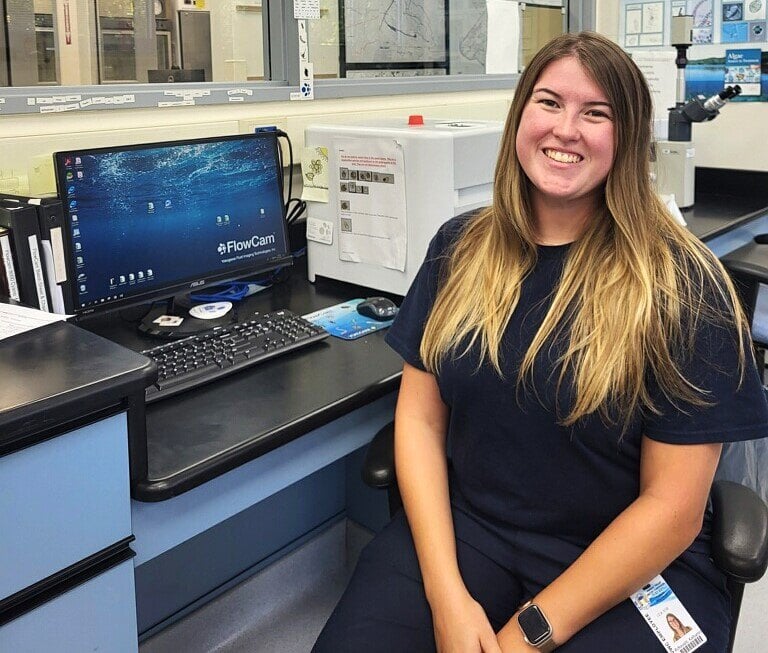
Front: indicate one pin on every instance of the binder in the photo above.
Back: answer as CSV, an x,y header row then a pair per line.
x,y
21,220
7,266
55,249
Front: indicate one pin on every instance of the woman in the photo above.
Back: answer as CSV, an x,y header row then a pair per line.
x,y
578,357
677,628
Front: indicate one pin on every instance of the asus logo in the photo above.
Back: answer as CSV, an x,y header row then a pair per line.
x,y
195,284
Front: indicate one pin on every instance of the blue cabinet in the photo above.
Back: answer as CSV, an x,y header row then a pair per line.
x,y
66,565
66,571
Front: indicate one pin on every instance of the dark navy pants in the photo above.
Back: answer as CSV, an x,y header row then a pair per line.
x,y
384,609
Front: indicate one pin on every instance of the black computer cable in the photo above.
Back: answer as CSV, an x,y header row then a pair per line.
x,y
299,205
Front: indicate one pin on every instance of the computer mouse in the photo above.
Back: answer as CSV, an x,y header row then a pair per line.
x,y
378,308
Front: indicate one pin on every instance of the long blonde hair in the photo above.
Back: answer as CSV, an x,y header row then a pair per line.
x,y
634,285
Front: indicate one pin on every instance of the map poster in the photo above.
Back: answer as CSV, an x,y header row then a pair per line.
x,y
468,36
394,31
742,67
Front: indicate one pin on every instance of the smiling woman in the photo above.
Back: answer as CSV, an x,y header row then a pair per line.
x,y
565,146
585,356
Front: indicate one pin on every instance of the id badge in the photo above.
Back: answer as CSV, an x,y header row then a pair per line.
x,y
668,618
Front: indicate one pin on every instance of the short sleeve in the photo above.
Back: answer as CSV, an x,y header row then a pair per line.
x,y
736,405
404,336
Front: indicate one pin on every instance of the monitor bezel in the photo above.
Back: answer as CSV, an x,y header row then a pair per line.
x,y
187,285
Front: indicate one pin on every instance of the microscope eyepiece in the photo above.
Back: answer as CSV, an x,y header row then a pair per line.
x,y
718,101
729,91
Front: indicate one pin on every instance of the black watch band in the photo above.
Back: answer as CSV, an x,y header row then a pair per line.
x,y
535,627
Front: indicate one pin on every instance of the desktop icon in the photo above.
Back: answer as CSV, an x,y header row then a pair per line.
x,y
150,207
149,272
70,190
69,176
78,247
131,277
82,287
78,161
68,161
122,278
79,174
75,232
218,219
167,204
112,281
226,218
72,204
79,260
140,275
74,217
81,276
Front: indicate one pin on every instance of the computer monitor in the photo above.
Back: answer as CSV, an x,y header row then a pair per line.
x,y
151,221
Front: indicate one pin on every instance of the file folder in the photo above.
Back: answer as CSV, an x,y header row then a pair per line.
x,y
10,285
22,222
54,247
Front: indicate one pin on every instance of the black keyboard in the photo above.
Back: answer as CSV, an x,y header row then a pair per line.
x,y
190,362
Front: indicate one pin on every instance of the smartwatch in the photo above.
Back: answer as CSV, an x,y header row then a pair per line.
x,y
535,628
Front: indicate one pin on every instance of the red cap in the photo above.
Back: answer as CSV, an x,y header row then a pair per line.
x,y
416,119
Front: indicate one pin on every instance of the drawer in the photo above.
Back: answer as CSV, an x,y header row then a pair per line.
x,y
63,500
99,615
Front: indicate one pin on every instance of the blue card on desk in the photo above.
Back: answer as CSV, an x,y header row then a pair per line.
x,y
343,320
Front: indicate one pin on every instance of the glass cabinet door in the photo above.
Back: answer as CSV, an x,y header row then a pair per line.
x,y
116,40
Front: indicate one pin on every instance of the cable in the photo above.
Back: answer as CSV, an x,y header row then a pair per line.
x,y
291,214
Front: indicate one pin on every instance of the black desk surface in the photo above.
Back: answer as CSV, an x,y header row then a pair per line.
x,y
57,376
198,435
726,199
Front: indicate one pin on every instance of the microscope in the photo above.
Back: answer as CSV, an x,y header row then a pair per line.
x,y
674,161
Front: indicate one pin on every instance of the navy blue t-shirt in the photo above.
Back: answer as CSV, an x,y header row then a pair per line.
x,y
513,466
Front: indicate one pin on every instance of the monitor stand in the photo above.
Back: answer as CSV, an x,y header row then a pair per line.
x,y
153,323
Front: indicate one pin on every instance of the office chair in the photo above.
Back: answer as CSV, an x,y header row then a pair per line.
x,y
739,527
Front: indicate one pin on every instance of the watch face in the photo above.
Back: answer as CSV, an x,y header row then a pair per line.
x,y
534,625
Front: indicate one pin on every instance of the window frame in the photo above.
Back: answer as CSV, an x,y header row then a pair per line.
x,y
280,62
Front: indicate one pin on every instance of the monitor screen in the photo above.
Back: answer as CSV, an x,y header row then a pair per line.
x,y
148,221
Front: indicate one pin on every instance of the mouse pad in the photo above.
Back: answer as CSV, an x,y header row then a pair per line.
x,y
343,320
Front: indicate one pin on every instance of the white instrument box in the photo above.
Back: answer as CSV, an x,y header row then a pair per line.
x,y
448,170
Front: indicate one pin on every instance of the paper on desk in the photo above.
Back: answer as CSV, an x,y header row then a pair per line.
x,y
19,319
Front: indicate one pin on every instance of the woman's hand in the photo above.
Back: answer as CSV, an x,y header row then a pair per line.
x,y
461,626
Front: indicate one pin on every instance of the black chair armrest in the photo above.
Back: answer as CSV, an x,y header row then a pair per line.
x,y
739,531
379,465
